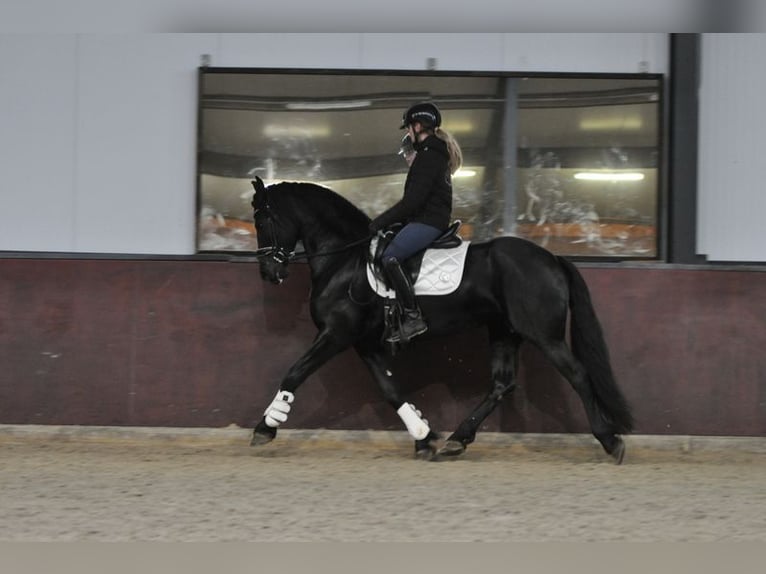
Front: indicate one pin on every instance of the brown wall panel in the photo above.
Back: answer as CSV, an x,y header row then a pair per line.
x,y
688,346
205,343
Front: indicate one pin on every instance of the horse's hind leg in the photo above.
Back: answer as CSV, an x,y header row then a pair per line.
x,y
566,363
504,349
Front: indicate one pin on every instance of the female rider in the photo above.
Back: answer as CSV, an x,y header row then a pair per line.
x,y
425,208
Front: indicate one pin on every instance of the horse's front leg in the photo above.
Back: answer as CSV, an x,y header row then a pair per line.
x,y
321,351
417,425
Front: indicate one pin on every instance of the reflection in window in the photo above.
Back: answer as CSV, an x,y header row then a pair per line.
x,y
587,165
568,162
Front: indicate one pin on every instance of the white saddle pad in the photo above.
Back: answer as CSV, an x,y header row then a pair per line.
x,y
440,272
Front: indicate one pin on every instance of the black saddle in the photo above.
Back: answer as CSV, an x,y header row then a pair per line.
x,y
450,238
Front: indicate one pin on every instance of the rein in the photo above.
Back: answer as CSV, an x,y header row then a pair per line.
x,y
282,256
307,255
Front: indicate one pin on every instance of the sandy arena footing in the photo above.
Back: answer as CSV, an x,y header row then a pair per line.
x,y
159,484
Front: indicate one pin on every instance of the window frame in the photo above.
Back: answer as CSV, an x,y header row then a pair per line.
x,y
661,217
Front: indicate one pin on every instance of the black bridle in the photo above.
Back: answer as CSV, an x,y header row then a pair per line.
x,y
277,253
282,256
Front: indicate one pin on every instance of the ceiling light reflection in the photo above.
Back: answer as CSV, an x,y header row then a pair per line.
x,y
609,176
611,124
336,105
294,131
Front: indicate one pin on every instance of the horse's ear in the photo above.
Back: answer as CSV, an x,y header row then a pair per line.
x,y
260,188
258,184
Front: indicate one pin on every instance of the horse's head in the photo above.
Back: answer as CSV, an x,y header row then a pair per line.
x,y
277,236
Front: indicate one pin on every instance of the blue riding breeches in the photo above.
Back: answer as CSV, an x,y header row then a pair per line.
x,y
412,238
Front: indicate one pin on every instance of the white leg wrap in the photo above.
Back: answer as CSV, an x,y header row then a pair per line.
x,y
414,421
276,413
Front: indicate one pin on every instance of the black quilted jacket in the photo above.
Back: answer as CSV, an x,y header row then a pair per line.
x,y
427,190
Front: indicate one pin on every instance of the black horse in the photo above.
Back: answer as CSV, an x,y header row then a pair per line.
x,y
518,290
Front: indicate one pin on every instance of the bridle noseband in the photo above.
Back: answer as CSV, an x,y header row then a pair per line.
x,y
277,253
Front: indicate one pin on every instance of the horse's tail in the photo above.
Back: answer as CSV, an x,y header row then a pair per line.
x,y
589,347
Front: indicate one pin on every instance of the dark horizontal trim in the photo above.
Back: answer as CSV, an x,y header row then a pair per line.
x,y
424,72
249,257
710,266
218,256
556,100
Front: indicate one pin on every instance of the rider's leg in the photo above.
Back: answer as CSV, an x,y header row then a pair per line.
x,y
412,319
412,238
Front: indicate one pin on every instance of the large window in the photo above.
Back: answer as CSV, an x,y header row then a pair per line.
x,y
570,162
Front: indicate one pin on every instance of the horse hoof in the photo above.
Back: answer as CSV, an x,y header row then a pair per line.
x,y
619,451
451,448
261,438
425,454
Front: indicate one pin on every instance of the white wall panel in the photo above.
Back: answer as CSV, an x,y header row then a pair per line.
x,y
732,200
610,53
37,142
458,52
136,138
289,50
105,125
617,53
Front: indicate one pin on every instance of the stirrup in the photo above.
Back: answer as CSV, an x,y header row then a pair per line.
x,y
400,336
417,329
394,337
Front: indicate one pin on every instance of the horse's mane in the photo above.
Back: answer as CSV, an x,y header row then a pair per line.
x,y
322,203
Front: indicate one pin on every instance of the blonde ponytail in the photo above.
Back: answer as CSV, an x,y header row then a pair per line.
x,y
455,153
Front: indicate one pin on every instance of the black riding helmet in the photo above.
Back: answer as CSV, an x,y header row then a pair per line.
x,y
425,113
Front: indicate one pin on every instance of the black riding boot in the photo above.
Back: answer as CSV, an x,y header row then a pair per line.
x,y
412,320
